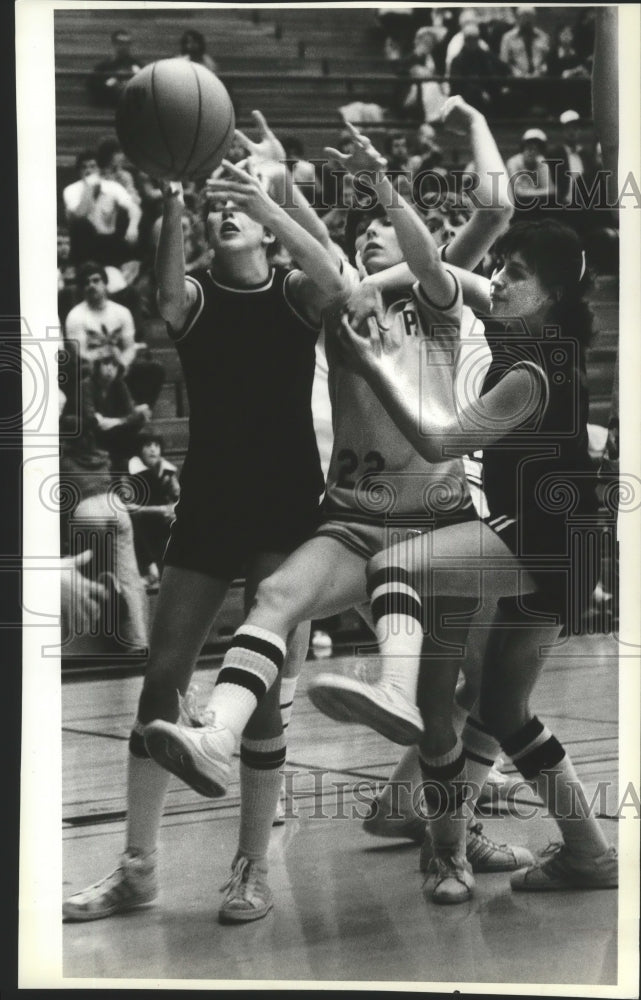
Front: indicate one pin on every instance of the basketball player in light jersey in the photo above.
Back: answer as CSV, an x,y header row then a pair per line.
x,y
378,488
250,486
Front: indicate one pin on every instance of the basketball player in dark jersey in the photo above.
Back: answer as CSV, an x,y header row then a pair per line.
x,y
537,552
250,489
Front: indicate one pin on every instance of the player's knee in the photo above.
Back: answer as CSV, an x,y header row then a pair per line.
x,y
278,599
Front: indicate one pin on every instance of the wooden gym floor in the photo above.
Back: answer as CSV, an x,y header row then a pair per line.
x,y
348,907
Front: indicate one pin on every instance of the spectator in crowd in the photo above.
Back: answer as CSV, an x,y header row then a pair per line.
x,y
160,490
91,514
428,155
111,163
426,96
525,48
397,25
193,47
584,34
471,68
570,160
109,412
102,217
467,17
97,323
110,76
564,60
66,275
530,177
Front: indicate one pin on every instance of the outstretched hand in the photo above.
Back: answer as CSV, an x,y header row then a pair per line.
x,y
243,188
371,348
365,303
457,115
268,147
364,158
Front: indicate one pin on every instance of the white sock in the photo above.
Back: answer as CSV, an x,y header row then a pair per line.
x,y
250,667
261,762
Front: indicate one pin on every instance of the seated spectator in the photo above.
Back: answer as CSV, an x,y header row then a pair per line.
x,y
564,60
102,217
467,17
398,162
426,96
429,154
66,275
193,47
109,412
110,76
160,490
91,518
397,24
470,69
111,163
570,160
529,174
525,48
97,323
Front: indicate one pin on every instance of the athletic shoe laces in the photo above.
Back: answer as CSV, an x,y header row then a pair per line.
x,y
242,881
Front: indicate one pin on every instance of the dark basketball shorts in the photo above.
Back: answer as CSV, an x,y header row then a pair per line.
x,y
565,574
221,540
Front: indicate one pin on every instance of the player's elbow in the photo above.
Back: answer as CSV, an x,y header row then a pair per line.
x,y
171,309
334,291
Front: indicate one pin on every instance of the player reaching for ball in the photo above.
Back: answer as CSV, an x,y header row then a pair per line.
x,y
371,462
245,333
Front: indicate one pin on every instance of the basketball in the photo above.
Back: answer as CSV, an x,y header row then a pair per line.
x,y
175,120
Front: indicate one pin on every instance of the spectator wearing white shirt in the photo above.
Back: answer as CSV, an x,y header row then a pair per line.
x,y
97,323
530,177
102,217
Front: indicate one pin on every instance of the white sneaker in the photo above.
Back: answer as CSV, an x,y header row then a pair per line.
x,y
133,883
247,895
200,757
449,879
377,705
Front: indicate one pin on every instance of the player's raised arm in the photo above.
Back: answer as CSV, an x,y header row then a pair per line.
x,y
324,285
175,296
491,195
268,154
416,242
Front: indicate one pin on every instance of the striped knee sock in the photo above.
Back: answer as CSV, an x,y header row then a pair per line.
x,y
287,691
444,791
250,667
260,766
540,758
481,751
397,613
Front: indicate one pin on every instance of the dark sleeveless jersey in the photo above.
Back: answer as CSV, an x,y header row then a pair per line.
x,y
541,475
248,360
